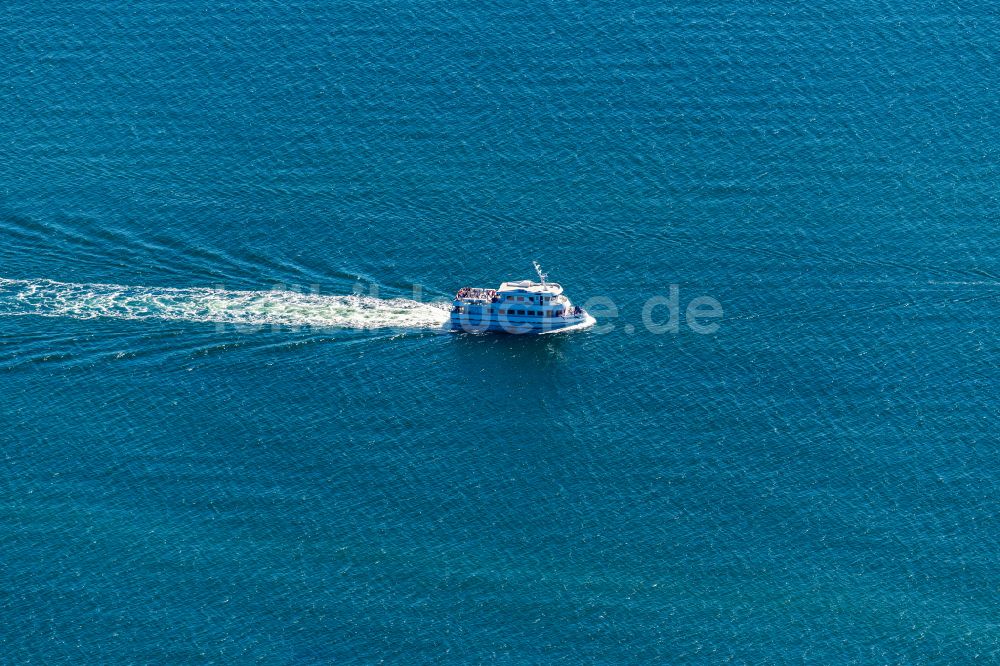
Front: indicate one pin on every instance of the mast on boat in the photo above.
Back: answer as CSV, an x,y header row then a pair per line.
x,y
541,276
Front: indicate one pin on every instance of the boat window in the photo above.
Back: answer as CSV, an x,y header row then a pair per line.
x,y
520,312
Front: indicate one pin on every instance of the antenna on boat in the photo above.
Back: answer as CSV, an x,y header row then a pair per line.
x,y
538,269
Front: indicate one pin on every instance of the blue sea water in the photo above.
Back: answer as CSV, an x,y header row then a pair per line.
x,y
231,433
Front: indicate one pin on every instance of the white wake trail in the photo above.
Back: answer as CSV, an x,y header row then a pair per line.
x,y
48,298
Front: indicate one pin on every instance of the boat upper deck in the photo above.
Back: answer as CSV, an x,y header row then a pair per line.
x,y
549,290
527,286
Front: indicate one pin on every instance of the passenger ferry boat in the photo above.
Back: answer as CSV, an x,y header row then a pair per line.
x,y
517,307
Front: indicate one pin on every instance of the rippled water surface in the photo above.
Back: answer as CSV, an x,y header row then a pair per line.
x,y
232,430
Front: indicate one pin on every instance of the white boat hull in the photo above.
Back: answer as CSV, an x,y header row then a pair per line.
x,y
476,323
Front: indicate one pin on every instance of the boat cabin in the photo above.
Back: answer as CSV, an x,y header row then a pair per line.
x,y
523,298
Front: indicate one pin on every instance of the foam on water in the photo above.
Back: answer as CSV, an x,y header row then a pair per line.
x,y
48,298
